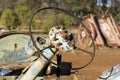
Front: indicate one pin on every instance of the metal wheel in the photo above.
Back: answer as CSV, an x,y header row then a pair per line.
x,y
57,15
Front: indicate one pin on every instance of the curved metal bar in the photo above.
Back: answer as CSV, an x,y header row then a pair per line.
x,y
30,33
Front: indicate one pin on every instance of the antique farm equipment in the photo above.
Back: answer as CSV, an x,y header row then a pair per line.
x,y
109,30
103,29
60,39
12,52
90,22
32,55
102,26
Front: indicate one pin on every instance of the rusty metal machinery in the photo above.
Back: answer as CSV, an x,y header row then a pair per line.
x,y
59,29
40,50
12,45
60,39
103,29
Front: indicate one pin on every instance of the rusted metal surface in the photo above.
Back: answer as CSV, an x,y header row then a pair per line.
x,y
12,51
109,31
61,38
37,66
103,29
99,39
56,37
16,65
90,22
84,39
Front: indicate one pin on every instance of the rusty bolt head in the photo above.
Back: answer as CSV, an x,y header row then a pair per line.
x,y
64,35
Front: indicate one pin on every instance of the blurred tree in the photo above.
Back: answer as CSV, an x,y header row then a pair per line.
x,y
25,8
7,4
49,21
9,19
24,14
33,5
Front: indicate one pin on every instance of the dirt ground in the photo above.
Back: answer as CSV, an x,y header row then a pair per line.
x,y
104,59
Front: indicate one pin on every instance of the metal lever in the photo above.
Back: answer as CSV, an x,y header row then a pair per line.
x,y
58,68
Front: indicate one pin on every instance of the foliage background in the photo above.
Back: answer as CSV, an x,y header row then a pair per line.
x,y
17,13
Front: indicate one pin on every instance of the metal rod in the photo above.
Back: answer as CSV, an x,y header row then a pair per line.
x,y
37,66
